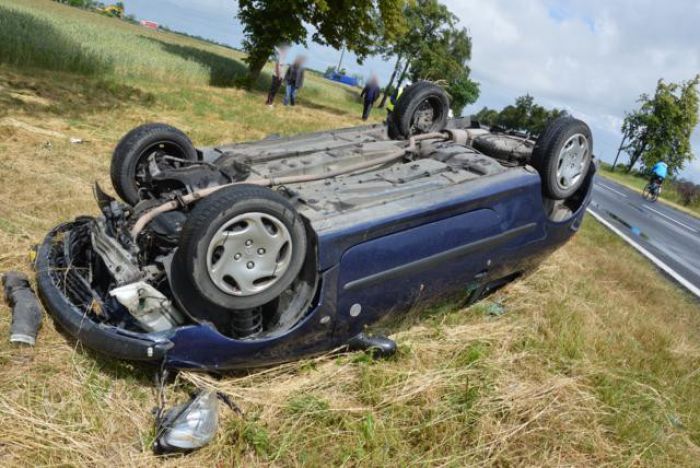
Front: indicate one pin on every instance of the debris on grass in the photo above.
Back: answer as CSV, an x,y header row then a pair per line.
x,y
26,311
493,309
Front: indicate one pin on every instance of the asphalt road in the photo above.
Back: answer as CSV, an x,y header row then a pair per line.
x,y
668,237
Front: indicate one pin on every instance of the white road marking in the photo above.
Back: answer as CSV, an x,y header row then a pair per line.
x,y
658,262
668,217
612,190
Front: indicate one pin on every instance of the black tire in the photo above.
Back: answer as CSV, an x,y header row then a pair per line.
x,y
650,195
392,130
210,215
417,99
546,156
504,147
136,146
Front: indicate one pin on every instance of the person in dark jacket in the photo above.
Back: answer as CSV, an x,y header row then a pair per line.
x,y
294,78
370,93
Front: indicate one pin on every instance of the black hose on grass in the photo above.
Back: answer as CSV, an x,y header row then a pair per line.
x,y
26,311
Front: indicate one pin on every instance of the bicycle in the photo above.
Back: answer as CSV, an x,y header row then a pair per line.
x,y
652,191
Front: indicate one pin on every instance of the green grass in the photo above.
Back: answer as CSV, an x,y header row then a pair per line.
x,y
637,182
594,362
40,34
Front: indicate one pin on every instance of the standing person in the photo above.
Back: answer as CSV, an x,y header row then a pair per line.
x,y
294,78
370,93
393,99
280,53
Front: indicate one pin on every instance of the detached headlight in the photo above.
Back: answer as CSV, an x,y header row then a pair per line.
x,y
189,426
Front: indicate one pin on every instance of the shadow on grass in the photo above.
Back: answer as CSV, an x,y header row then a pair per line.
x,y
28,41
306,102
223,71
64,94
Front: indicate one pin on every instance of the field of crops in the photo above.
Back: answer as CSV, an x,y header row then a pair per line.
x,y
593,360
45,35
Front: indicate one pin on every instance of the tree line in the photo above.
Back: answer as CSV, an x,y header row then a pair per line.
x,y
524,116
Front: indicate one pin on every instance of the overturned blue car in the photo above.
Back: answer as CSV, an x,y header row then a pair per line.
x,y
264,252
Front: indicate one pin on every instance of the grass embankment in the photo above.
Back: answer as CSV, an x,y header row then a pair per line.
x,y
636,181
596,360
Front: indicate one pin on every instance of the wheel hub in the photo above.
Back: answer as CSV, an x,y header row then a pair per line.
x,y
249,254
424,117
150,161
572,160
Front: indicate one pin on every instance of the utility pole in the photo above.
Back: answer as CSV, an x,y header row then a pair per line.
x,y
622,144
340,62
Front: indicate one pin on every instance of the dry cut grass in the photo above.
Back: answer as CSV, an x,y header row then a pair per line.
x,y
595,362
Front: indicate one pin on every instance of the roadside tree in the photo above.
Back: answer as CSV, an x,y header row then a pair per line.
x,y
357,25
660,129
433,48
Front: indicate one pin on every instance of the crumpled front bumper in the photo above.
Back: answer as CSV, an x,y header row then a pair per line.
x,y
55,278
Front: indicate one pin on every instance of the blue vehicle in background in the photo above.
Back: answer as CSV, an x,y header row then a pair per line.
x,y
264,252
342,78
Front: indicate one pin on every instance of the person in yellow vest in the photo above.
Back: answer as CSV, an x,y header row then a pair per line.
x,y
393,99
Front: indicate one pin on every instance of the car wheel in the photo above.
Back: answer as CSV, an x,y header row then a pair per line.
x,y
504,147
562,156
130,169
242,246
422,108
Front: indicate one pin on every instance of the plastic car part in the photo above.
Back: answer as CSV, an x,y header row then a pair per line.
x,y
249,253
422,108
26,312
188,426
562,156
69,298
377,346
151,309
242,247
144,145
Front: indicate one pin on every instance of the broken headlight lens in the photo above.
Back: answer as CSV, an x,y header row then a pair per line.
x,y
188,426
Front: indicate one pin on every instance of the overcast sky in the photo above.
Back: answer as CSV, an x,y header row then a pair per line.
x,y
592,57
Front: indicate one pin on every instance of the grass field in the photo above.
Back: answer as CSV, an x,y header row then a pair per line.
x,y
596,360
636,182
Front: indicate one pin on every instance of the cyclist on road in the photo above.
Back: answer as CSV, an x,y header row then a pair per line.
x,y
659,173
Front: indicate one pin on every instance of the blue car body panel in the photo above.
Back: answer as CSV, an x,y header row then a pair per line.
x,y
488,236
